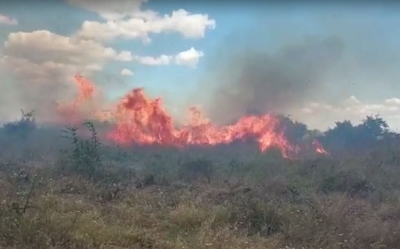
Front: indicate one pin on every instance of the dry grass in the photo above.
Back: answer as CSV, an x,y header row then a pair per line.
x,y
197,199
296,206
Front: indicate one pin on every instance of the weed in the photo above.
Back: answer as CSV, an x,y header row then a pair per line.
x,y
85,154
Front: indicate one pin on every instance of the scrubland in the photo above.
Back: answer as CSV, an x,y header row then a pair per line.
x,y
81,193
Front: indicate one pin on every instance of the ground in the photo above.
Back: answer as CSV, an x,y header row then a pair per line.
x,y
97,196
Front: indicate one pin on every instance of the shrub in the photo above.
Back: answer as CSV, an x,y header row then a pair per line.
x,y
85,156
22,128
194,168
349,182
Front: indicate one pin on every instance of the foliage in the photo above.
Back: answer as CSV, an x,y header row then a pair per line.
x,y
217,198
347,136
194,168
319,203
22,128
295,131
85,154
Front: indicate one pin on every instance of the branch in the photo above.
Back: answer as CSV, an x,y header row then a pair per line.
x,y
26,206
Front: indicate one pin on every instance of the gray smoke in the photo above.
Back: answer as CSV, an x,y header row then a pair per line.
x,y
253,81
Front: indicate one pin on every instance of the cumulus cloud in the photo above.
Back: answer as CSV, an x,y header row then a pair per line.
x,y
392,101
7,20
126,72
42,63
189,57
352,101
140,24
124,56
126,19
42,45
110,10
322,116
154,61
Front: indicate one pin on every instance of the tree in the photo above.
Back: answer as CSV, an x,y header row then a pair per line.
x,y
21,128
347,136
373,128
340,136
295,131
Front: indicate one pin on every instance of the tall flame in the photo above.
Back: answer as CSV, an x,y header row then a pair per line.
x,y
141,120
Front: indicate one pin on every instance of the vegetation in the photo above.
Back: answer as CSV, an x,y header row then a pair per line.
x,y
79,193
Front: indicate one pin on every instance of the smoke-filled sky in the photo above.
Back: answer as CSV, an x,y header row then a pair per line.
x,y
318,63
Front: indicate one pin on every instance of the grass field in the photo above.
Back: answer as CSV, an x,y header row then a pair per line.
x,y
95,196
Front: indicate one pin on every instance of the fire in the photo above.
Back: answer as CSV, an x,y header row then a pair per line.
x,y
319,148
84,104
71,110
141,120
145,121
85,89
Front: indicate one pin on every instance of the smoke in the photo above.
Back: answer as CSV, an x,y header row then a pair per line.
x,y
35,87
253,81
285,61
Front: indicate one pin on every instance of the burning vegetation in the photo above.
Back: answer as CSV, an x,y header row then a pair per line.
x,y
137,119
137,179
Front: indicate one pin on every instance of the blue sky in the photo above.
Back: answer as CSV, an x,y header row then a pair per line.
x,y
366,73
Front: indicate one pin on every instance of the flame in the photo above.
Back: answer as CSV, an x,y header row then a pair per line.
x,y
319,148
145,121
85,90
141,120
71,111
84,104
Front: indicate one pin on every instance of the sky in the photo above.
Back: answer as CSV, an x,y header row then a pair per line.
x,y
318,63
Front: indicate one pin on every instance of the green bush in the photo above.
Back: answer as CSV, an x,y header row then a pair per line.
x,y
84,156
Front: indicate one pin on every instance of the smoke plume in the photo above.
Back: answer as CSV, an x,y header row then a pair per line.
x,y
253,81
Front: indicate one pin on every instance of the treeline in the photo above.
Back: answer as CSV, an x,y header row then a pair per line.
x,y
372,131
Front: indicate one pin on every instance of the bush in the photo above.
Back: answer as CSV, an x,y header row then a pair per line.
x,y
22,128
349,182
85,156
192,169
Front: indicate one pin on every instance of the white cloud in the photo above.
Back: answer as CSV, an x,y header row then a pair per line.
x,y
125,19
110,9
189,57
141,24
42,45
393,101
154,61
126,72
7,20
124,56
322,116
352,101
42,65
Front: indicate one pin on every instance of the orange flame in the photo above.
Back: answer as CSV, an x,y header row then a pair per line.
x,y
319,148
85,89
144,121
138,119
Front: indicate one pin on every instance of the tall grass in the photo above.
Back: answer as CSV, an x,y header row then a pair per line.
x,y
226,197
